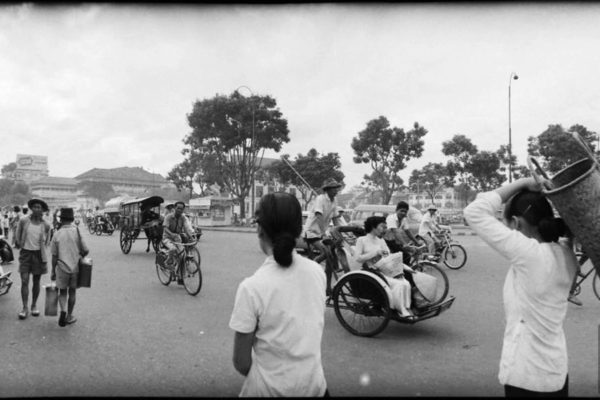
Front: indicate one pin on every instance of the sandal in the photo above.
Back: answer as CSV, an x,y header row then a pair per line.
x,y
23,314
35,312
71,320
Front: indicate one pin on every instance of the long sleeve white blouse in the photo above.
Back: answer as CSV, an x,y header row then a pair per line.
x,y
534,351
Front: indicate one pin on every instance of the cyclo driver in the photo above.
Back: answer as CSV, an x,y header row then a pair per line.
x,y
177,229
324,211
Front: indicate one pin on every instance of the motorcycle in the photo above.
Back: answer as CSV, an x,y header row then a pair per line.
x,y
104,227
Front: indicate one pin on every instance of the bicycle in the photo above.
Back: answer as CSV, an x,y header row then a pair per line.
x,y
421,261
451,253
582,276
187,270
91,225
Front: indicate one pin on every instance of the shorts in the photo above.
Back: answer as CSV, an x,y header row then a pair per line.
x,y
65,279
30,261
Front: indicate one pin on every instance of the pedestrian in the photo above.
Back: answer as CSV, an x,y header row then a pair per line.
x,y
14,221
32,237
66,248
279,311
534,353
5,225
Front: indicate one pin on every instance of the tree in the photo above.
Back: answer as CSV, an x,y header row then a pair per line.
x,y
313,167
99,190
387,150
556,148
483,169
9,169
431,179
235,129
461,149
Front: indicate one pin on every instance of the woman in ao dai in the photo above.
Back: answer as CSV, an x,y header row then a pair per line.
x,y
370,249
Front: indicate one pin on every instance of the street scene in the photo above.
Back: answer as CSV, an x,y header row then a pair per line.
x,y
136,337
314,200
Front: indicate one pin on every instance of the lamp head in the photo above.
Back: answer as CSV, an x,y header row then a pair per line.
x,y
515,77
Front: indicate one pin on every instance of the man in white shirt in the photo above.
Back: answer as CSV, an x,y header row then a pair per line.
x,y
429,228
324,211
397,223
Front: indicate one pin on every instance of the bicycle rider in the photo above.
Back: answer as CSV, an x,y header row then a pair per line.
x,y
429,228
177,229
324,211
397,223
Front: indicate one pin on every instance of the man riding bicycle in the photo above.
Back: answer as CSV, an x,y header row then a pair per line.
x,y
177,229
396,224
429,228
324,211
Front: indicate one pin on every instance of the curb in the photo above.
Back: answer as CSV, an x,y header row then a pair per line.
x,y
456,232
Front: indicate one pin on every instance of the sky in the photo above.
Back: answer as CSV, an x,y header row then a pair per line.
x,y
107,86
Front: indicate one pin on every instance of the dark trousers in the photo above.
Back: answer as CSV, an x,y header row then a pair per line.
x,y
513,392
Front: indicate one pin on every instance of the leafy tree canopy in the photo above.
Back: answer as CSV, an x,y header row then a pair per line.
x,y
556,148
235,129
484,171
314,169
431,179
387,150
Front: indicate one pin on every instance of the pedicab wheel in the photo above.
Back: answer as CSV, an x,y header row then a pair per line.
x,y
443,286
191,273
164,274
596,284
125,240
361,305
454,256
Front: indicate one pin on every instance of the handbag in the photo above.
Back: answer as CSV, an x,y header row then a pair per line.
x,y
51,304
84,277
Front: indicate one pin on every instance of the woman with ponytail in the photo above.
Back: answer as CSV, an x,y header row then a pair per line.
x,y
534,353
279,311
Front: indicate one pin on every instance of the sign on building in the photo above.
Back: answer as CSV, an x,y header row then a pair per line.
x,y
32,162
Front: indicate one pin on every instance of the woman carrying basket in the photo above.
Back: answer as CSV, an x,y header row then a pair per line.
x,y
534,353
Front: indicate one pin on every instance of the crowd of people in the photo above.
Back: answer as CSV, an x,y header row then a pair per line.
x,y
278,312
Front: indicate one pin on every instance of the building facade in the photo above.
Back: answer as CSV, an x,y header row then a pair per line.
x,y
30,168
133,181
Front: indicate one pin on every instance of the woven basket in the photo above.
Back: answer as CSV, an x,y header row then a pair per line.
x,y
575,192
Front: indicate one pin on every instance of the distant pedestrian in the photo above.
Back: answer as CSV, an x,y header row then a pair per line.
x,y
32,237
14,221
278,315
5,225
534,353
66,248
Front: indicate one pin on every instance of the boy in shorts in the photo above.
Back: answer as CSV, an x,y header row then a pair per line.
x,y
67,247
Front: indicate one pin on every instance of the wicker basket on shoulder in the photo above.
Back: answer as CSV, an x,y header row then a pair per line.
x,y
575,192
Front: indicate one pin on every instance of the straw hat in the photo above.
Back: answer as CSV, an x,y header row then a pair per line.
x,y
330,183
41,202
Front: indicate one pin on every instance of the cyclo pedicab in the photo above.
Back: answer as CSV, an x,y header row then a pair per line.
x,y
361,296
137,215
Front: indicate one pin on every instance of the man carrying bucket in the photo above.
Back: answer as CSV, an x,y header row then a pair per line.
x,y
67,247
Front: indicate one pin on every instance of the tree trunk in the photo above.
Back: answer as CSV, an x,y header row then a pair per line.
x,y
242,200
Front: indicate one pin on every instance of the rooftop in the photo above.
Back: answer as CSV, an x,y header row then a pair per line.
x,y
120,174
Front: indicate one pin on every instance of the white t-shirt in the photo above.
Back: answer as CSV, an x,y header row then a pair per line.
x,y
534,352
427,224
286,307
328,208
392,223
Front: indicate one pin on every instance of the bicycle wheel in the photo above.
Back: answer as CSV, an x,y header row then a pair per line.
x,y
454,256
164,274
191,273
98,230
91,228
361,305
442,284
596,284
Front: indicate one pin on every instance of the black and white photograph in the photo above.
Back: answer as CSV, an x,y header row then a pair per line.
x,y
300,199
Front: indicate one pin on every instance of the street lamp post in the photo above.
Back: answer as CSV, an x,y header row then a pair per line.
x,y
515,77
252,145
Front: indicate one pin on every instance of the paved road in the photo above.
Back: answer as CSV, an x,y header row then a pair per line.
x,y
135,337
